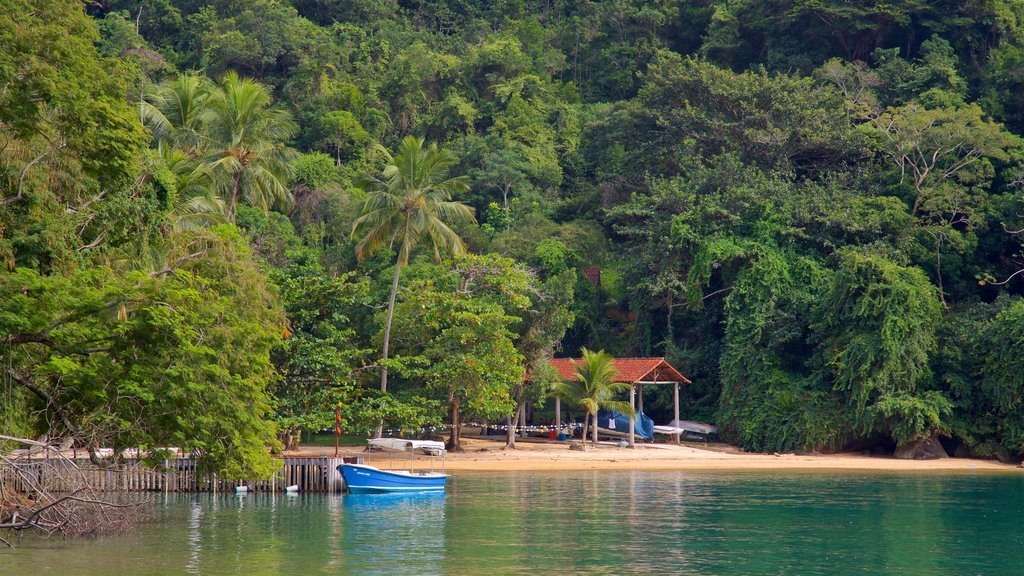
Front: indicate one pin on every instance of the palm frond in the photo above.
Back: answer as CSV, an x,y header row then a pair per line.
x,y
408,196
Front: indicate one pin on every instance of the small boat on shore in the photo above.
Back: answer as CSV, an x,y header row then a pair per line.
x,y
428,447
366,479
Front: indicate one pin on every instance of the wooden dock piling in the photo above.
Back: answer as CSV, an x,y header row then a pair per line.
x,y
176,475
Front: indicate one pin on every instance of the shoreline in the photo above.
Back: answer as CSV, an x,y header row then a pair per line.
x,y
485,455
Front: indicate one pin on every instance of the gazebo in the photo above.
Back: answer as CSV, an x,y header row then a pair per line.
x,y
632,371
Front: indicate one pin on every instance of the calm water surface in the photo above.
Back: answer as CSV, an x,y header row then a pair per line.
x,y
577,522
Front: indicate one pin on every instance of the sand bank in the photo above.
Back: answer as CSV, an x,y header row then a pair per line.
x,y
487,455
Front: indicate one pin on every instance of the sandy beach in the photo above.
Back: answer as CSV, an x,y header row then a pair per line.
x,y
487,455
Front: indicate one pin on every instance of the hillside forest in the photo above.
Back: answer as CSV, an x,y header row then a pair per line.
x,y
220,221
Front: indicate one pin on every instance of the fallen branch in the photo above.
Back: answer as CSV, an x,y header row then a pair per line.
x,y
51,495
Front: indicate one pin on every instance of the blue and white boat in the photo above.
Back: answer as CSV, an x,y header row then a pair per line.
x,y
366,479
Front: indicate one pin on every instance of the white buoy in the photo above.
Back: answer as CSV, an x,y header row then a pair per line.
x,y
292,489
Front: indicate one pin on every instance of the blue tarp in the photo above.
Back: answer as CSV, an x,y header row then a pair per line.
x,y
643,427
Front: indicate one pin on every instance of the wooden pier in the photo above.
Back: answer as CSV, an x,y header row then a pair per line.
x,y
175,475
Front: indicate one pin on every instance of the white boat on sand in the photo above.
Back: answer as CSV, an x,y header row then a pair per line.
x,y
404,445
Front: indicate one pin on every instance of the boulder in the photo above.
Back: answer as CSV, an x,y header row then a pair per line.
x,y
926,449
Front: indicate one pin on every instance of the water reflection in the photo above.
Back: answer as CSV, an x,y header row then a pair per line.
x,y
577,522
195,540
393,533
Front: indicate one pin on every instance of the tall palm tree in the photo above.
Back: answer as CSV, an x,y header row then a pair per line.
x,y
593,388
245,144
410,202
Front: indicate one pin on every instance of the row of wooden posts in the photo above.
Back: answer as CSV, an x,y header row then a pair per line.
x,y
176,475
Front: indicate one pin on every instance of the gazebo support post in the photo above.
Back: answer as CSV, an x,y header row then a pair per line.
x,y
558,414
675,406
632,423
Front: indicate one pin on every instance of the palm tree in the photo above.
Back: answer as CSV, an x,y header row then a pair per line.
x,y
246,155
175,112
593,388
409,202
195,204
230,135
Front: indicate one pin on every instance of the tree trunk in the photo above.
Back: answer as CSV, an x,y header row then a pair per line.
x,y
510,435
595,429
586,427
387,341
233,199
291,438
515,418
453,439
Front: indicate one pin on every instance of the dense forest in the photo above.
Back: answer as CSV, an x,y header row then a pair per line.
x,y
214,215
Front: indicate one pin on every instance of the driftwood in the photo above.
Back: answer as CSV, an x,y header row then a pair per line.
x,y
53,504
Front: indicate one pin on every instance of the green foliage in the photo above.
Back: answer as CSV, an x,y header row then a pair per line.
x,y
319,360
794,202
177,359
63,100
231,140
315,170
878,322
769,401
910,418
402,410
462,323
554,256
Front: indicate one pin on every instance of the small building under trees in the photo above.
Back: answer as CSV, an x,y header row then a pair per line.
x,y
633,371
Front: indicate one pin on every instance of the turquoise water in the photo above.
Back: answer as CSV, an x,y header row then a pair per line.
x,y
577,522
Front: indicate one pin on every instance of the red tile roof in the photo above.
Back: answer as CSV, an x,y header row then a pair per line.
x,y
631,370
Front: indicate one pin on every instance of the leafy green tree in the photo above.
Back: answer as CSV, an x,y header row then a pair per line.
x,y
769,400
1001,376
408,203
321,357
877,322
593,388
69,136
62,90
540,331
229,135
343,133
687,107
932,146
945,155
462,322
177,357
177,110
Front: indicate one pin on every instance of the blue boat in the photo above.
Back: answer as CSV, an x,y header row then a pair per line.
x,y
364,479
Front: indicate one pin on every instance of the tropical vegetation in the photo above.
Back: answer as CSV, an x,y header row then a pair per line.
x,y
221,221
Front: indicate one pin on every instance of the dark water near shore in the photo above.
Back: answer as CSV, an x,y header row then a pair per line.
x,y
577,522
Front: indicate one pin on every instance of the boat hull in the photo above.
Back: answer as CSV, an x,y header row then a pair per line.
x,y
362,479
